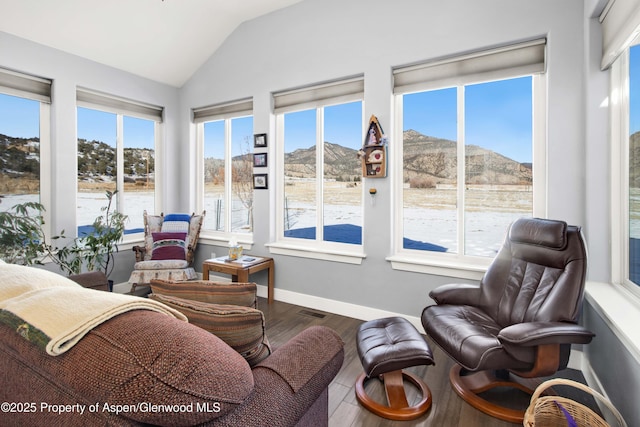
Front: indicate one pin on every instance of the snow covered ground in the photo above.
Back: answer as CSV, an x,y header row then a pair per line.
x,y
484,231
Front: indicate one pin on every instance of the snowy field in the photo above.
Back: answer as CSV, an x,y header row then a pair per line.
x,y
484,231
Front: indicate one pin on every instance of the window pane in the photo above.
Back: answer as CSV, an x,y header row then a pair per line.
x,y
20,153
214,175
634,164
498,161
342,198
300,174
242,174
96,164
430,172
139,171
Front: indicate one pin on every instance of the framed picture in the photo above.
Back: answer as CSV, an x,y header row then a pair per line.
x,y
260,181
260,140
259,160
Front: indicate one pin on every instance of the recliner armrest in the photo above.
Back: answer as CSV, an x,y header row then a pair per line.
x,y
539,333
456,294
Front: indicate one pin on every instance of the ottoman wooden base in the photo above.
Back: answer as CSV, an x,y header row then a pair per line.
x,y
386,347
398,408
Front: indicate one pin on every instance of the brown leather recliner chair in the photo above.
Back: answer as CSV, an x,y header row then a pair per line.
x,y
520,319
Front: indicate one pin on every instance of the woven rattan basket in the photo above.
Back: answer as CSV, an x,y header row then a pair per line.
x,y
545,412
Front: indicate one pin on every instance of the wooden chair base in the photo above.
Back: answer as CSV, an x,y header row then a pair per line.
x,y
398,408
468,387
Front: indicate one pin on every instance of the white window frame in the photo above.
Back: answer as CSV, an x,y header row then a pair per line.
x,y
226,112
619,135
87,98
37,89
458,264
313,97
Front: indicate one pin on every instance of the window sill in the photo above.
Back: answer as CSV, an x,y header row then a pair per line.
x,y
131,240
440,267
619,309
224,241
301,251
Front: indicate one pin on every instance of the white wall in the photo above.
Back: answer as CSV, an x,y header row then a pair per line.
x,y
68,72
319,40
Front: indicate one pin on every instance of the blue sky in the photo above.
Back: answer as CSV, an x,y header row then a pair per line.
x,y
497,116
101,126
19,117
634,89
343,125
241,137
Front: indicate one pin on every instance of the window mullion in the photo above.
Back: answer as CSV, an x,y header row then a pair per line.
x,y
539,121
624,139
46,166
280,174
320,174
228,175
461,170
120,162
200,167
620,161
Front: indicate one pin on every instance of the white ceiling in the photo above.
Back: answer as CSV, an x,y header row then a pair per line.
x,y
163,40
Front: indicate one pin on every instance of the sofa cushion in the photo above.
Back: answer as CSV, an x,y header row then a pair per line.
x,y
169,246
235,293
242,328
142,358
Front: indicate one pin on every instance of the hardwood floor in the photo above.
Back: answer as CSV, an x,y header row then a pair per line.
x,y
448,410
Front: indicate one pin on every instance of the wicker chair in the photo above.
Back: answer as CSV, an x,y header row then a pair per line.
x,y
169,249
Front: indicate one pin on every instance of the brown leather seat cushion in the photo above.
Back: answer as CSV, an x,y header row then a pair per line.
x,y
471,336
390,344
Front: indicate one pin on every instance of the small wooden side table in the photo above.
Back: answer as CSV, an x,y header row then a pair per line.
x,y
240,271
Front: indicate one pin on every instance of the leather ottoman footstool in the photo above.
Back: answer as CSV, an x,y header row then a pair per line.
x,y
387,346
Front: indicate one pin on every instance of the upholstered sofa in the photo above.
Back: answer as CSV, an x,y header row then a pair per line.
x,y
143,367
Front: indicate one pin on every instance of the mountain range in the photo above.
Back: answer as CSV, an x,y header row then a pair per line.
x,y
425,157
20,157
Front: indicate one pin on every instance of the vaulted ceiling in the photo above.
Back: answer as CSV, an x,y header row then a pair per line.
x,y
163,40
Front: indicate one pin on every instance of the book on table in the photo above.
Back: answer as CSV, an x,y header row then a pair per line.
x,y
244,260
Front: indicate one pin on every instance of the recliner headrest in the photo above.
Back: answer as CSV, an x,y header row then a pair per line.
x,y
541,232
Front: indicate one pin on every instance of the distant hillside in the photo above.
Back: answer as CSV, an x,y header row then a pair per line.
x,y
634,160
435,159
341,163
96,160
20,158
425,158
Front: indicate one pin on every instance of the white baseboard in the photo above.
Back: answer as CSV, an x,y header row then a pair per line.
x,y
336,307
576,359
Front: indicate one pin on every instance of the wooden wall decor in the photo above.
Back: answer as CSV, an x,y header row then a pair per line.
x,y
374,151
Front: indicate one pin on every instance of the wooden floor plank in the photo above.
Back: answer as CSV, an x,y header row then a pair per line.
x,y
284,321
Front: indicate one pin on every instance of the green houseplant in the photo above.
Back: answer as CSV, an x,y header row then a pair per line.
x,y
23,241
